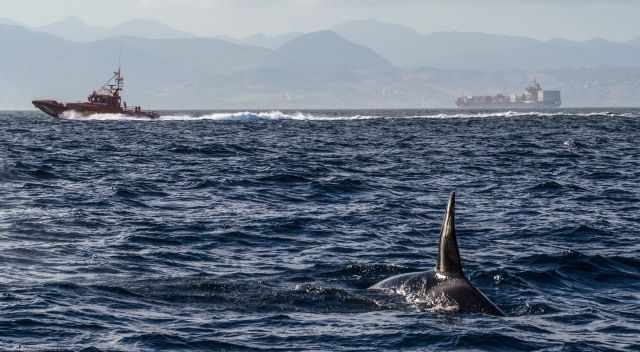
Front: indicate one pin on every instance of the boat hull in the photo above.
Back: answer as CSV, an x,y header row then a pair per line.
x,y
57,109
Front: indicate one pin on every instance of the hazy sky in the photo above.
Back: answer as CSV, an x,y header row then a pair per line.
x,y
543,19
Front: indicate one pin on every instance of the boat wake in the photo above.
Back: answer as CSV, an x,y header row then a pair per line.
x,y
319,116
219,116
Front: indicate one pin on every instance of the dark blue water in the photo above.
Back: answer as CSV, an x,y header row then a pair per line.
x,y
262,231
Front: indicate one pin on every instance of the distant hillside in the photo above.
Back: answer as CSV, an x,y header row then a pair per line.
x,y
480,51
325,52
9,22
202,55
148,29
270,41
396,43
75,29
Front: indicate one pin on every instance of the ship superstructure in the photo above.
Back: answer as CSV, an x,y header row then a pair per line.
x,y
533,97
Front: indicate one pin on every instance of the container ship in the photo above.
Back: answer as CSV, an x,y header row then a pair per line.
x,y
533,98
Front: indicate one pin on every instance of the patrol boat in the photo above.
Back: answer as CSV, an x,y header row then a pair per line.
x,y
106,100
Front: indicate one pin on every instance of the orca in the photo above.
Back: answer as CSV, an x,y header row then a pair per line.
x,y
446,288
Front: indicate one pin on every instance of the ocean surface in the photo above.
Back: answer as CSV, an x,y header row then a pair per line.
x,y
261,231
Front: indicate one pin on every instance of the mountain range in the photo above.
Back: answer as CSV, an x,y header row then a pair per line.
x,y
464,50
403,46
358,64
75,29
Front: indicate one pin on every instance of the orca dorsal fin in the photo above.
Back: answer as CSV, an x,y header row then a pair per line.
x,y
449,262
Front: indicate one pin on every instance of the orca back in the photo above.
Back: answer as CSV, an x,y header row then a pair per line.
x,y
429,290
447,286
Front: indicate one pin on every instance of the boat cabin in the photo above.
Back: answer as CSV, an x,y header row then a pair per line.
x,y
95,98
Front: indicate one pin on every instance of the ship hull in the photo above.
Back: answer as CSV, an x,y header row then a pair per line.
x,y
507,106
57,109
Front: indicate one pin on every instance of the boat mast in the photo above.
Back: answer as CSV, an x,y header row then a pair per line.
x,y
119,81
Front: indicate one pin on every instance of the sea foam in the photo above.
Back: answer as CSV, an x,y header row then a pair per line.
x,y
319,116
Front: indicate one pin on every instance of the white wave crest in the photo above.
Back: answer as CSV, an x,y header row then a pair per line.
x,y
248,116
74,115
307,116
218,116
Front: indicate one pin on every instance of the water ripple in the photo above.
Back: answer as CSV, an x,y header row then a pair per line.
x,y
263,230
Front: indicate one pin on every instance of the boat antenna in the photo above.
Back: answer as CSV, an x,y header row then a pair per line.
x,y
120,57
118,75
